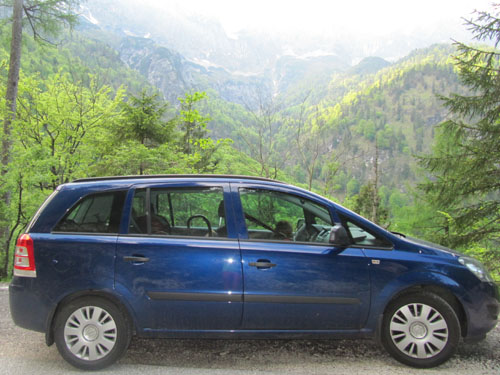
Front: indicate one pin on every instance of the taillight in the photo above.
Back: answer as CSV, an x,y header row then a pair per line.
x,y
24,258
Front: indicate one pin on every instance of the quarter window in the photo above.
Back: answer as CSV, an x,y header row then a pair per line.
x,y
96,213
363,237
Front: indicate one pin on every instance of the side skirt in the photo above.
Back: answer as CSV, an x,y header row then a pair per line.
x,y
258,334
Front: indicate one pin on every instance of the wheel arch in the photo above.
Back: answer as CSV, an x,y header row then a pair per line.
x,y
49,331
439,290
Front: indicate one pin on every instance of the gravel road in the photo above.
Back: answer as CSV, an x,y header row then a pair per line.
x,y
25,352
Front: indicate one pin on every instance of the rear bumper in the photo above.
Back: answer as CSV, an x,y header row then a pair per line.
x,y
28,309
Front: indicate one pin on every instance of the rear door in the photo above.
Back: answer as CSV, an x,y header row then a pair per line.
x,y
294,279
179,264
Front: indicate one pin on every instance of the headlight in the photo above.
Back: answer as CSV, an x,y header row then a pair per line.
x,y
476,267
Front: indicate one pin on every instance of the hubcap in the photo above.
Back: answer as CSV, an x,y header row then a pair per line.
x,y
418,330
90,333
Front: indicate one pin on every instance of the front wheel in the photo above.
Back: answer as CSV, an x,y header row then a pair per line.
x,y
420,330
91,333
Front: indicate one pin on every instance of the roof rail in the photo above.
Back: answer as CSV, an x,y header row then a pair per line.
x,y
152,176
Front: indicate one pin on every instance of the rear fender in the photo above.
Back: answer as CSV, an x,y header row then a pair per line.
x,y
105,294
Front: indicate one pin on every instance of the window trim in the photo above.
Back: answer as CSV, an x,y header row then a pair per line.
x,y
175,236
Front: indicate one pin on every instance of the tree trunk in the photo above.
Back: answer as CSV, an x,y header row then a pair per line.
x,y
13,80
376,198
11,99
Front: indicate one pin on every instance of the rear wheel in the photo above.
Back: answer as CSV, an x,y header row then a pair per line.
x,y
91,333
420,330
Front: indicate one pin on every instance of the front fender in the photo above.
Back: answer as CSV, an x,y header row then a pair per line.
x,y
406,282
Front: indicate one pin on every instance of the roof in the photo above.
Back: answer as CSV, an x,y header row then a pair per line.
x,y
156,176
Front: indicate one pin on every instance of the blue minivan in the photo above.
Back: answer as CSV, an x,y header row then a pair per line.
x,y
200,256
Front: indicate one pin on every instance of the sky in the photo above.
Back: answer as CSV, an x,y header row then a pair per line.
x,y
373,17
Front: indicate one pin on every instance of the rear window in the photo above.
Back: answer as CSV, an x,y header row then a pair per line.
x,y
95,213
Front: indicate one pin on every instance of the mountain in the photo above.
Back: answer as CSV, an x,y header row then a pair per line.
x,y
179,50
352,115
386,117
369,65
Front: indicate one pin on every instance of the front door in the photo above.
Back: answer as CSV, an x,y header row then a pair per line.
x,y
177,265
294,279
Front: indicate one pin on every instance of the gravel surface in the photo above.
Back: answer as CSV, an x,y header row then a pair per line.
x,y
23,352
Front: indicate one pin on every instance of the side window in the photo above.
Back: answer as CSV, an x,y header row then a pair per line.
x,y
197,212
96,213
363,237
271,215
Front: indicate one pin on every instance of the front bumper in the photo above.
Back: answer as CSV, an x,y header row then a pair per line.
x,y
483,310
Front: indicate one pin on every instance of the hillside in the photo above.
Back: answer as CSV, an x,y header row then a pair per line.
x,y
341,112
396,109
331,133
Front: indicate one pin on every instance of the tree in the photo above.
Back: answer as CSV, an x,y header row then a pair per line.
x,y
56,133
142,124
44,18
465,163
310,139
192,124
59,126
263,137
143,120
195,142
367,203
10,115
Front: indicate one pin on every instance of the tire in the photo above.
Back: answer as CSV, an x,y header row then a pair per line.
x,y
91,333
420,330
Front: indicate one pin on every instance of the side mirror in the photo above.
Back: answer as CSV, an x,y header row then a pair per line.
x,y
339,236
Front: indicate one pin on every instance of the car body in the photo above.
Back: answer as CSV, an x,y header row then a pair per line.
x,y
230,257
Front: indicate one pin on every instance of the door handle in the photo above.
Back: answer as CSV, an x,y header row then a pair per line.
x,y
135,259
262,264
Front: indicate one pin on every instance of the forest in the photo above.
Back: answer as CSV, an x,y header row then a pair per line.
x,y
413,146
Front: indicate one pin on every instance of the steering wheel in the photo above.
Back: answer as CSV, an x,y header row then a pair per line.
x,y
209,226
264,225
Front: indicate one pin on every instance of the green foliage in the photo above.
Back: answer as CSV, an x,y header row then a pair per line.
x,y
192,124
140,141
56,123
195,142
352,187
46,18
368,205
465,163
394,108
142,120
